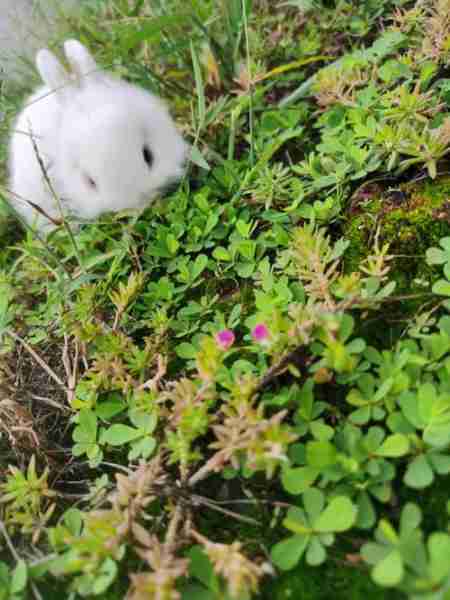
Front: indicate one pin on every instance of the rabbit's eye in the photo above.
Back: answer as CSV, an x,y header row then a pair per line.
x,y
148,156
90,182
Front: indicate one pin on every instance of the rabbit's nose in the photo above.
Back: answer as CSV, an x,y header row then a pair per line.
x,y
171,186
186,158
186,163
183,160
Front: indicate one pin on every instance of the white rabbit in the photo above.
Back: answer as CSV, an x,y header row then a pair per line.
x,y
105,145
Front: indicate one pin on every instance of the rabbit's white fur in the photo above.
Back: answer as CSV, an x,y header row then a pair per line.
x,y
92,133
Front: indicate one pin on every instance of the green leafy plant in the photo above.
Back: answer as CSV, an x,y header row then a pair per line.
x,y
13,583
314,526
403,558
25,499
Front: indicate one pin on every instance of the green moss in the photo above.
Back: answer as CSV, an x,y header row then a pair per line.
x,y
411,219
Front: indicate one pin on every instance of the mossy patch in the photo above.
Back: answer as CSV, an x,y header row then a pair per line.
x,y
411,218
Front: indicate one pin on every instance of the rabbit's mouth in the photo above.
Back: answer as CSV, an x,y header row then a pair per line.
x,y
171,184
169,188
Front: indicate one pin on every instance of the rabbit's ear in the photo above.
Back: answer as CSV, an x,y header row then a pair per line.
x,y
80,60
51,70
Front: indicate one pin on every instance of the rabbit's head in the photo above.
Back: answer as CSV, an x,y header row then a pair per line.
x,y
117,145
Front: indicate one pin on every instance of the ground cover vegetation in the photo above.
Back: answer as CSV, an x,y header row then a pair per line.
x,y
244,391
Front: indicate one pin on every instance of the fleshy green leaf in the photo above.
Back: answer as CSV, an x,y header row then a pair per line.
x,y
287,553
320,454
394,445
389,571
314,502
440,462
19,578
316,553
296,481
220,253
143,447
186,350
296,521
366,512
199,265
373,553
104,576
118,435
410,518
426,398
439,551
442,288
73,519
339,515
200,566
360,416
86,430
435,256
419,473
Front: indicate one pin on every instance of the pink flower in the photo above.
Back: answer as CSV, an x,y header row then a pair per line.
x,y
260,333
225,338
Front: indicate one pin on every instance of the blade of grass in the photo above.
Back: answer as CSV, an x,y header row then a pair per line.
x,y
200,88
293,65
234,117
57,200
170,86
234,19
387,43
250,107
226,66
33,232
